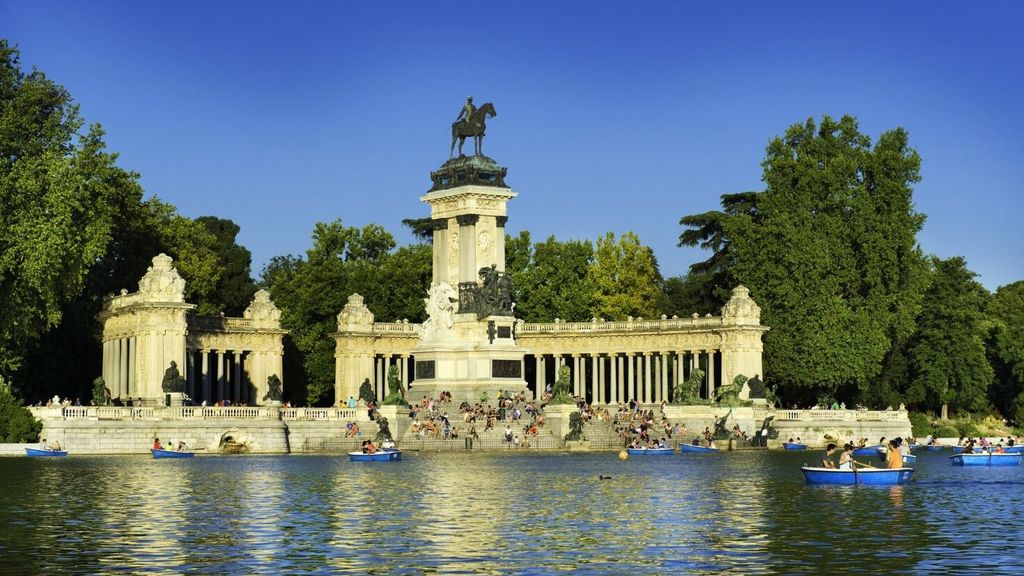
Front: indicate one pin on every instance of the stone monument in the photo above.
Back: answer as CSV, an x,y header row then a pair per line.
x,y
468,344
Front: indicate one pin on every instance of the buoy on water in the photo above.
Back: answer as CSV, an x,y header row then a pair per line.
x,y
623,454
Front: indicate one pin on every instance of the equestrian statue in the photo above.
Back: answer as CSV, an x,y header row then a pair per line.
x,y
472,121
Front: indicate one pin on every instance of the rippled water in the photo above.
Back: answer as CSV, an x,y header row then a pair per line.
x,y
519,513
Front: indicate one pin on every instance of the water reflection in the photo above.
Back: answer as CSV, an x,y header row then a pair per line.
x,y
501,513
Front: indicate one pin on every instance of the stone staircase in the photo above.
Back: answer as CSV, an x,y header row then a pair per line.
x,y
490,440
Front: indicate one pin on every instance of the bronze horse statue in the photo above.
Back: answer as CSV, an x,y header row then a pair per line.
x,y
475,127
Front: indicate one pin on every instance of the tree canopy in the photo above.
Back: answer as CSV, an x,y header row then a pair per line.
x,y
828,250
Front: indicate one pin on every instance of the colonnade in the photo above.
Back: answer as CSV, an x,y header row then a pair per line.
x,y
215,375
119,358
382,363
646,377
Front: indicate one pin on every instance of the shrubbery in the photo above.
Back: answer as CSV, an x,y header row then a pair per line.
x,y
16,423
920,424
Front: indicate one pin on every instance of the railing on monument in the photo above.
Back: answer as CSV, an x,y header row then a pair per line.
x,y
219,324
661,325
842,415
395,327
194,413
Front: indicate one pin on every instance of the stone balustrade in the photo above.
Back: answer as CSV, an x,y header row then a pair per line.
x,y
193,413
668,324
841,415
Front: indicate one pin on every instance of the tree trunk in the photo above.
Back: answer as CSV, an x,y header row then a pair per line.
x,y
945,412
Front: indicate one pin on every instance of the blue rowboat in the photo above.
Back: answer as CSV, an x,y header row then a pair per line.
x,y
649,451
692,448
1014,449
40,453
868,450
158,453
935,447
382,456
909,459
987,459
794,446
862,476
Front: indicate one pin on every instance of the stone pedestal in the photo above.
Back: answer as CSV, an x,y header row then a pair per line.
x,y
473,358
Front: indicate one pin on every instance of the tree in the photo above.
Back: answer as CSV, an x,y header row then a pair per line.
x,y
830,254
234,288
550,278
625,277
17,424
1005,350
59,205
312,291
948,351
421,228
710,282
684,295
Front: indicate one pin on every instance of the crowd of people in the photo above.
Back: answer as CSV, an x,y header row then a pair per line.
x,y
439,419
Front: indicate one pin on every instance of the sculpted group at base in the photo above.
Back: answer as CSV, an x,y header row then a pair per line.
x,y
213,382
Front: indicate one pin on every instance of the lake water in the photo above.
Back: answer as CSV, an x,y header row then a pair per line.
x,y
744,512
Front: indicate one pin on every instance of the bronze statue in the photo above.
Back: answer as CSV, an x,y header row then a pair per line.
x,y
472,122
172,381
274,392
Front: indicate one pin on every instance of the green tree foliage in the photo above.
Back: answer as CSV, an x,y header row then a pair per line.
x,y
683,295
421,228
948,351
234,287
59,203
311,291
709,283
550,278
16,423
829,252
625,277
1005,348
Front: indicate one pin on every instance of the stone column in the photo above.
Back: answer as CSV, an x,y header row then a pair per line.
x,y
541,377
614,387
647,377
467,247
709,374
630,373
577,363
221,374
205,362
665,358
237,355
440,268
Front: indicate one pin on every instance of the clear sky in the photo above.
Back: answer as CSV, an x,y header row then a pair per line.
x,y
612,116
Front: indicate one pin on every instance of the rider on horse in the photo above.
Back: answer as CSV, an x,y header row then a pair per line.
x,y
468,109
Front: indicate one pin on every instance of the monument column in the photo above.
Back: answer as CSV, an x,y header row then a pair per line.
x,y
711,373
647,377
237,355
541,384
205,360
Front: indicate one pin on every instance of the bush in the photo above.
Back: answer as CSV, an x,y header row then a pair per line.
x,y
945,432
967,429
920,424
16,423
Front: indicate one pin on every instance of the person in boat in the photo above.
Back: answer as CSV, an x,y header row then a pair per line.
x,y
791,440
44,445
846,458
893,458
696,442
999,449
56,446
156,444
826,457
371,448
862,443
969,447
798,440
388,444
182,446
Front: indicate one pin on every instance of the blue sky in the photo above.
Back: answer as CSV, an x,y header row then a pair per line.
x,y
612,116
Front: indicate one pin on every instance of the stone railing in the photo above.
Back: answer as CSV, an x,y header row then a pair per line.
x,y
220,324
192,413
318,414
668,324
842,415
395,328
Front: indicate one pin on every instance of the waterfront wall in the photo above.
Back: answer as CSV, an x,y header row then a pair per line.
x,y
256,430
272,430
